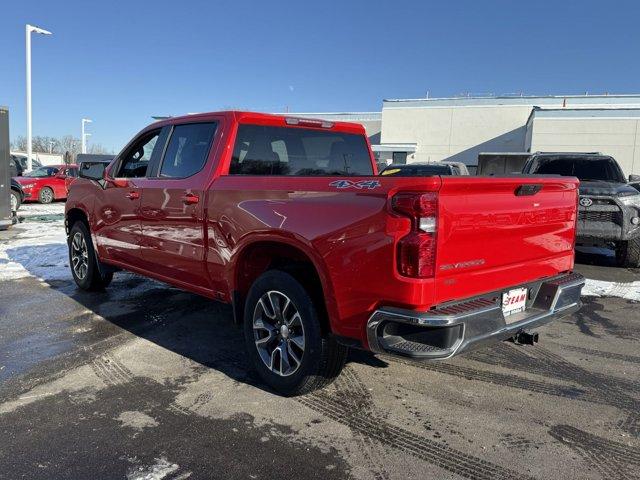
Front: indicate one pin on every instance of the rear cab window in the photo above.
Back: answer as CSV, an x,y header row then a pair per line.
x,y
296,151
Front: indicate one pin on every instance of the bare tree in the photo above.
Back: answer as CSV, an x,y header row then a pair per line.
x,y
68,146
97,148
19,143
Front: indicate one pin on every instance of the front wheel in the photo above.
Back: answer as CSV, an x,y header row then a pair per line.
x,y
284,337
628,253
83,262
46,195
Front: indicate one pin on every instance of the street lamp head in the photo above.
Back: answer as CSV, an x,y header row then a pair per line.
x,y
39,30
87,120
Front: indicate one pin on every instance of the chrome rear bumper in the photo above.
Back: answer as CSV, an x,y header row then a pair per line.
x,y
454,328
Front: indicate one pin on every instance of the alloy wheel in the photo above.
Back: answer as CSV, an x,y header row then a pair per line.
x,y
47,195
278,333
79,255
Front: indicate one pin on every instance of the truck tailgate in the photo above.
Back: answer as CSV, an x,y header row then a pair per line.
x,y
495,233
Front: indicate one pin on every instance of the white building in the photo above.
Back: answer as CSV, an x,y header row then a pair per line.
x,y
434,129
460,128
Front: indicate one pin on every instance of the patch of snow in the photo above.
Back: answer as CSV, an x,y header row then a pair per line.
x,y
601,288
157,471
39,249
137,420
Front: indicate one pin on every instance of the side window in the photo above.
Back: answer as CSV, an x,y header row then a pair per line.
x,y
136,159
73,172
187,150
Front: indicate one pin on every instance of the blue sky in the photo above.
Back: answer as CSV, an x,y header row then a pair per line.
x,y
121,62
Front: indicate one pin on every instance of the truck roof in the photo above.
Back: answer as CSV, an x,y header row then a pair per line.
x,y
266,119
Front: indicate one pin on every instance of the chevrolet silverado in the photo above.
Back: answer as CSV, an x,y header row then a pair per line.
x,y
286,219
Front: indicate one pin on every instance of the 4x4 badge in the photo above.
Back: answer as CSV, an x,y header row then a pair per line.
x,y
368,184
586,202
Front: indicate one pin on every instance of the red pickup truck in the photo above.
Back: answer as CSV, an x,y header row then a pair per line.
x,y
286,219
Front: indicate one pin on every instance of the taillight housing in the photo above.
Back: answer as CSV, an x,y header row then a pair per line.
x,y
416,252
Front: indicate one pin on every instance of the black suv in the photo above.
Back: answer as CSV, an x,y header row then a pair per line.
x,y
609,208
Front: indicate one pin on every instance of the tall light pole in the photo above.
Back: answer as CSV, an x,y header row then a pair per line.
x,y
28,30
85,135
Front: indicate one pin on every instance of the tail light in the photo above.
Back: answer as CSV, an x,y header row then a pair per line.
x,y
417,250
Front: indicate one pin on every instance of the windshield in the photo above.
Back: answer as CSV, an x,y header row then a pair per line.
x,y
42,172
602,169
416,170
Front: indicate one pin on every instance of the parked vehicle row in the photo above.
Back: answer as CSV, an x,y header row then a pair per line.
x,y
46,184
288,220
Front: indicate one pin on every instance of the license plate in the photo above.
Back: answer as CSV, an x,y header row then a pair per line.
x,y
514,301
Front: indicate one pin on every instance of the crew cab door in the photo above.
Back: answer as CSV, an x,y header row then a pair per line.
x,y
117,225
172,205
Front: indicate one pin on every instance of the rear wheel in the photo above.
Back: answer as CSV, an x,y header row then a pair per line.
x,y
82,260
284,337
46,195
628,253
15,201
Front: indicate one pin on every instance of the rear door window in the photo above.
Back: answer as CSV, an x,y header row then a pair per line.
x,y
266,150
188,149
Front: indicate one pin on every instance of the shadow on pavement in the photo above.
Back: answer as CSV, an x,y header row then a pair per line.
x,y
190,325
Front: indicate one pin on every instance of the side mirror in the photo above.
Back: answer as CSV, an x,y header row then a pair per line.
x,y
92,170
634,178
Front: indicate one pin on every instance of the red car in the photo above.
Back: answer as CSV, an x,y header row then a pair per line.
x,y
286,219
48,183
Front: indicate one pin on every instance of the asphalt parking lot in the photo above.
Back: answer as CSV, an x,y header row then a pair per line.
x,y
145,381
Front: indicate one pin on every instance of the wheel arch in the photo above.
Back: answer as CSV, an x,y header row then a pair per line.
x,y
74,215
292,256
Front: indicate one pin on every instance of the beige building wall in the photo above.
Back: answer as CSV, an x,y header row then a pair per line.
x,y
618,137
456,133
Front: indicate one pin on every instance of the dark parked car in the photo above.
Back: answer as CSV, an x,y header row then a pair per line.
x,y
423,169
17,165
609,208
17,195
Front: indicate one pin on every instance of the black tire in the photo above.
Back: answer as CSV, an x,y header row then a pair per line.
x,y
46,195
322,357
628,253
15,200
90,279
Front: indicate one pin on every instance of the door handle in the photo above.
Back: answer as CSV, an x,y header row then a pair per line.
x,y
133,195
190,199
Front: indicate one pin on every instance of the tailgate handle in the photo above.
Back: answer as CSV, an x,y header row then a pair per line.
x,y
528,189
